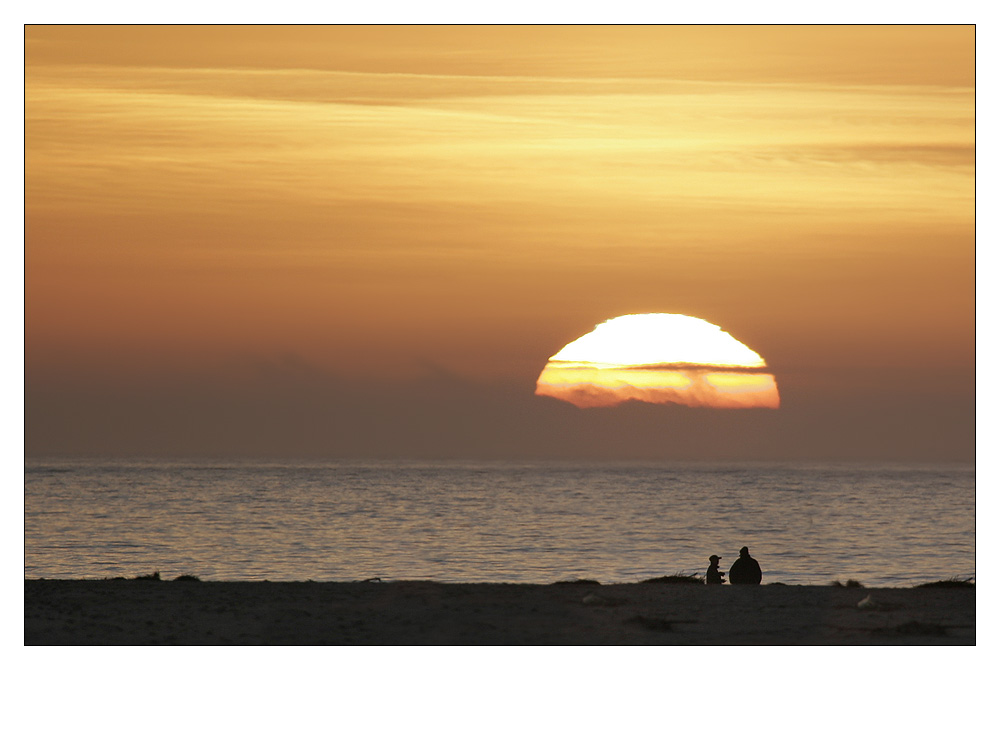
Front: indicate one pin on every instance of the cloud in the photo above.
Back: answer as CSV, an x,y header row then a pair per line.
x,y
716,388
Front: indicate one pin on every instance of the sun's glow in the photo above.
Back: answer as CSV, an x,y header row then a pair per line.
x,y
658,338
659,358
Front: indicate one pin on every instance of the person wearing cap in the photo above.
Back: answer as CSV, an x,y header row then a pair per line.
x,y
714,575
745,569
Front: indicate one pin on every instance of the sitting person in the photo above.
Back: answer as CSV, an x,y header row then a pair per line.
x,y
745,569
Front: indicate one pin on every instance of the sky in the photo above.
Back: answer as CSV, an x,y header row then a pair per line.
x,y
339,242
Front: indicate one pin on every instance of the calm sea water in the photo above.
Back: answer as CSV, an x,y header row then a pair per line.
x,y
501,522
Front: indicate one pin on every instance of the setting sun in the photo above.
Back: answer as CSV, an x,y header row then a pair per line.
x,y
659,358
658,338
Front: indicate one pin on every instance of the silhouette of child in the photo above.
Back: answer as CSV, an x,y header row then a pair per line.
x,y
714,575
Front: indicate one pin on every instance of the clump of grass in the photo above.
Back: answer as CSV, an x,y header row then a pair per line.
x,y
187,578
851,584
154,576
677,578
950,583
578,581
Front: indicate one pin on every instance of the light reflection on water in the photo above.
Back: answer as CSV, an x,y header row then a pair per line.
x,y
462,521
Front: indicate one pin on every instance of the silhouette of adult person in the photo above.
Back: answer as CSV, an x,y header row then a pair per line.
x,y
745,569
713,575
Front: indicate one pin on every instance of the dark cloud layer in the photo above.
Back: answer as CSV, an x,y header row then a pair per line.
x,y
285,409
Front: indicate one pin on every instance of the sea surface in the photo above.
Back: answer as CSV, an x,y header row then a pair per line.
x,y
882,525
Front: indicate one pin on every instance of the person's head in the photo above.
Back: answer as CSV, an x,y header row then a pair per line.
x,y
714,559
745,552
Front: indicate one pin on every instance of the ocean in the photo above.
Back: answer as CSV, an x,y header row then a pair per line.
x,y
513,522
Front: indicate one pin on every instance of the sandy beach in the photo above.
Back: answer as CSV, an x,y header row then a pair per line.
x,y
153,612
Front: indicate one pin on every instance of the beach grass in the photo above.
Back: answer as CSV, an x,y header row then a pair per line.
x,y
949,583
680,578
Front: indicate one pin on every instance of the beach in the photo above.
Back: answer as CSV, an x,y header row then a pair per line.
x,y
193,612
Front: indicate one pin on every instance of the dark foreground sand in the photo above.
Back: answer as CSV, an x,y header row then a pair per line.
x,y
119,612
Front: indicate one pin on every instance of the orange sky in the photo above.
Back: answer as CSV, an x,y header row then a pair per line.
x,y
368,241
